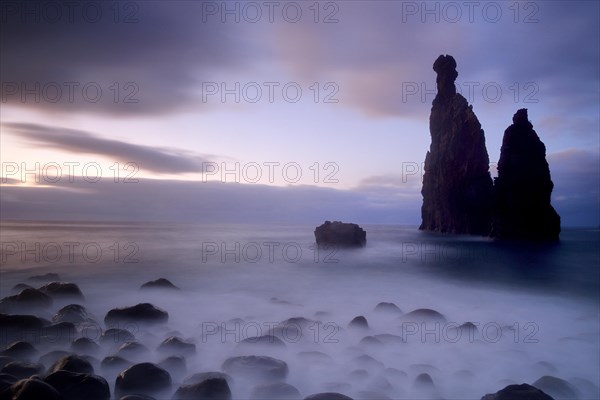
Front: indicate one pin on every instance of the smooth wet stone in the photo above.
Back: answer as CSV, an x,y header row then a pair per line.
x,y
25,300
518,392
177,346
160,283
116,337
202,376
85,345
19,287
5,360
76,386
73,363
556,387
209,389
60,333
256,367
6,381
132,350
32,389
424,380
53,356
21,349
73,313
359,322
22,369
62,290
145,378
384,307
144,313
328,396
275,391
424,315
264,340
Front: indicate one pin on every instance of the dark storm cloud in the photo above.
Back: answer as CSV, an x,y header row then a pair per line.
x,y
76,141
155,51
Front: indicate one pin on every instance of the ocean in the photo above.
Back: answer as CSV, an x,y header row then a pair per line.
x,y
535,308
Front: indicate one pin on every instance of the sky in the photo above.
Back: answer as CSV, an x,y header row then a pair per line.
x,y
228,111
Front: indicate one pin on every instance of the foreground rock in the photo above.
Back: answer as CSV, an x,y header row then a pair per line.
x,y
457,187
340,234
30,389
26,299
518,392
256,367
523,186
75,314
144,378
209,389
75,386
144,313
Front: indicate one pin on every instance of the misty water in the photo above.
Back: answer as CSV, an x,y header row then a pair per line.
x,y
535,307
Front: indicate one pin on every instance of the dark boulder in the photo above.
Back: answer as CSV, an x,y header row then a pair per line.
x,y
26,299
176,346
202,376
53,356
73,363
523,187
31,389
76,386
112,364
62,290
20,349
457,186
518,392
256,367
73,313
359,322
20,328
22,369
340,234
160,283
384,307
424,315
6,381
116,337
132,350
210,389
19,287
327,396
275,391
144,378
59,333
144,313
85,345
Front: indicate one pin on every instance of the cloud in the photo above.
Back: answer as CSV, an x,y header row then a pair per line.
x,y
147,57
147,158
191,201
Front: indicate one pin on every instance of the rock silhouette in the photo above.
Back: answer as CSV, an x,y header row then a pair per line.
x,y
457,187
340,234
523,186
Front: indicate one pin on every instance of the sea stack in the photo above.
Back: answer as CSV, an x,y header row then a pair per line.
x,y
338,233
523,186
457,187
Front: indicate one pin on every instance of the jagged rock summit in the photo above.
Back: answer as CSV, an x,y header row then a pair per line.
x,y
457,186
523,186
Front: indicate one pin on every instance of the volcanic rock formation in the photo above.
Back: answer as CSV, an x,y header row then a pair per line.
x,y
457,187
523,186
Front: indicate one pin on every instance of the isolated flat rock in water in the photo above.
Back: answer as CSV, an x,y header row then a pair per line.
x,y
340,234
141,313
457,187
523,186
518,392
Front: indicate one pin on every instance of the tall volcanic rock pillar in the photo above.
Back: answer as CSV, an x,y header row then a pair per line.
x,y
523,186
457,187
